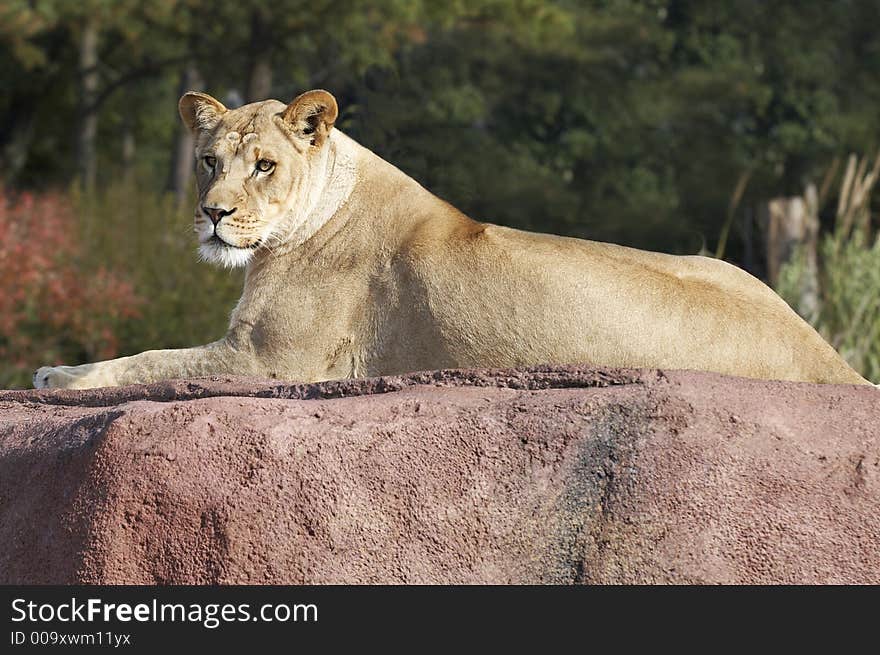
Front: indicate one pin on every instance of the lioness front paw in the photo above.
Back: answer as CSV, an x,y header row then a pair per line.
x,y
67,377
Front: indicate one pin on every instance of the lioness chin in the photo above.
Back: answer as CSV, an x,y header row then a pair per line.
x,y
354,269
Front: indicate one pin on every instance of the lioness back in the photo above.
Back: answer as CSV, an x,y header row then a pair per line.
x,y
519,298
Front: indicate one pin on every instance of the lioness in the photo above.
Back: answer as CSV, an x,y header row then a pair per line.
x,y
354,269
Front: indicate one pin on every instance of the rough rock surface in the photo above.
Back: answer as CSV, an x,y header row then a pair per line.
x,y
543,475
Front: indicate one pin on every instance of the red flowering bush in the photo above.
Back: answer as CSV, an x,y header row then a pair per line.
x,y
54,307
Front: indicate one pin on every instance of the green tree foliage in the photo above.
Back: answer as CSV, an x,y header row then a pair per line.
x,y
845,273
628,121
849,314
615,119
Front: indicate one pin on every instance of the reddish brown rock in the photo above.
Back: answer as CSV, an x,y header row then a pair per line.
x,y
559,475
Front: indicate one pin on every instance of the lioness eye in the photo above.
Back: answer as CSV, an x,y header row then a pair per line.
x,y
210,162
264,165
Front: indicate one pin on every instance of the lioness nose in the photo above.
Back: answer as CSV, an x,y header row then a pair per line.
x,y
217,213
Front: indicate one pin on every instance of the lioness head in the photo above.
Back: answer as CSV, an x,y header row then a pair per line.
x,y
257,170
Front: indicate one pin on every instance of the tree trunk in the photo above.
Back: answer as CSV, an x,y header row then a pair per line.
x,y
260,81
128,149
792,224
87,114
752,260
181,170
16,134
259,73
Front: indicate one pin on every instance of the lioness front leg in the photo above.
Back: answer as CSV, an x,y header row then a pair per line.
x,y
150,366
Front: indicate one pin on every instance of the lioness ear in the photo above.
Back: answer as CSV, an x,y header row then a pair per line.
x,y
200,111
311,115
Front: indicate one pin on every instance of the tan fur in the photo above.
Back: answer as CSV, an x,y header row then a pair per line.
x,y
354,269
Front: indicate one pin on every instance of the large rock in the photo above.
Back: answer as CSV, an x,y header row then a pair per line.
x,y
560,475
